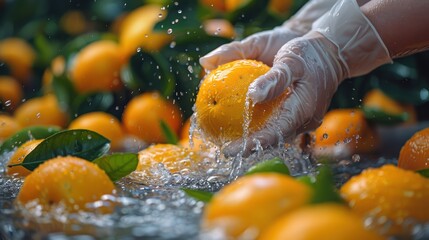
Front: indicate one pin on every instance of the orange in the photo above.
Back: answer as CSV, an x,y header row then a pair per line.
x,y
197,142
344,131
391,195
97,67
319,222
245,207
18,157
73,22
219,27
174,159
414,153
19,56
143,114
102,123
221,101
57,68
8,126
232,5
71,181
44,110
377,100
218,5
280,7
10,93
136,30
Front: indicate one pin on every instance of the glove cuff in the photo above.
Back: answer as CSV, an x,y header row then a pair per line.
x,y
302,21
360,47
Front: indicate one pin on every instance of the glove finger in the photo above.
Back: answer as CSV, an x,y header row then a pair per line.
x,y
260,139
271,84
223,54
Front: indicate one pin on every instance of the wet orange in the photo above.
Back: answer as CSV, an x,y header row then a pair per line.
x,y
377,100
173,158
102,123
97,67
143,115
19,56
390,195
8,126
10,93
247,206
71,181
319,222
19,156
221,101
345,130
414,154
136,30
44,110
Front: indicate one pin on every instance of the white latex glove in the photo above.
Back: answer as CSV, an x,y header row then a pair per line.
x,y
264,45
342,44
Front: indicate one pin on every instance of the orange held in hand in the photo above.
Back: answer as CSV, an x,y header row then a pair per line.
x,y
221,101
71,181
414,153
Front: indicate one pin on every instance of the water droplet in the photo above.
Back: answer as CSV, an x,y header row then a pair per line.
x,y
170,31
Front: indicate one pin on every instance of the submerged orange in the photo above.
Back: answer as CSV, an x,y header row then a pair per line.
x,y
71,181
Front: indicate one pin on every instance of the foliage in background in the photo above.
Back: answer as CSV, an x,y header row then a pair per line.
x,y
173,70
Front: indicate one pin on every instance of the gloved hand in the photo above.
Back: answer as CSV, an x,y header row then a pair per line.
x,y
264,45
342,44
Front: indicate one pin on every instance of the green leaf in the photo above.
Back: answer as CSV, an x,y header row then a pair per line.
x,y
64,91
92,102
199,195
272,165
168,133
26,134
85,144
45,51
323,186
118,165
81,41
424,172
381,117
